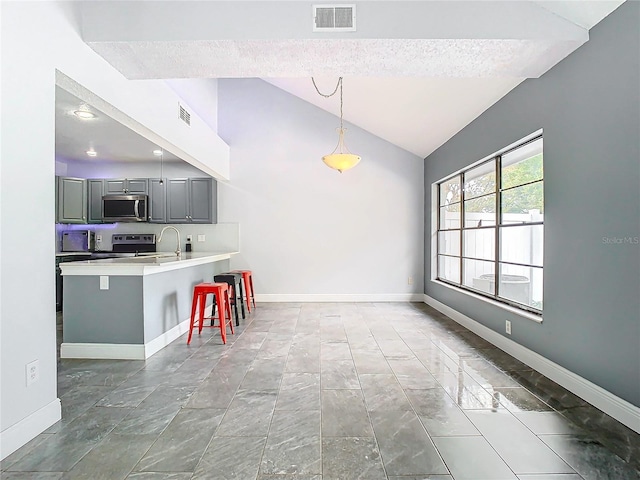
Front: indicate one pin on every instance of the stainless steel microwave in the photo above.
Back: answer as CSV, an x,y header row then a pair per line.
x,y
125,208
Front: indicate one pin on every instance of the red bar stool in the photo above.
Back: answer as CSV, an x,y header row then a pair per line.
x,y
221,293
248,287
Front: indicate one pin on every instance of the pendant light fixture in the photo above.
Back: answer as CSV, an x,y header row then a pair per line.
x,y
340,159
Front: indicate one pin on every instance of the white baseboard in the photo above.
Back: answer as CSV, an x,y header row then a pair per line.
x,y
28,428
102,351
597,396
118,351
338,297
166,338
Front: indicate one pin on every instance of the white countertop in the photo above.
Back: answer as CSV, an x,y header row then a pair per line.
x,y
142,265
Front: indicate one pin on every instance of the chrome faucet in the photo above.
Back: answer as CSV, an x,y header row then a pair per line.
x,y
177,233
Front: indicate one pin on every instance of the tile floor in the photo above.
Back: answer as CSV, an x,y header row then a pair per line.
x,y
325,392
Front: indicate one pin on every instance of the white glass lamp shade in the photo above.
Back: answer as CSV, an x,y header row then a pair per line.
x,y
340,159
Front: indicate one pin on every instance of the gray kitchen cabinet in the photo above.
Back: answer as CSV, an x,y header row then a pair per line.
x,y
95,188
157,200
190,200
72,200
202,199
126,186
177,200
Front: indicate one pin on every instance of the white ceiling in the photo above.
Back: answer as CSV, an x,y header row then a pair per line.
x,y
417,114
416,72
112,141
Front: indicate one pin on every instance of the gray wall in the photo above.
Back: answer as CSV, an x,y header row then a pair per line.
x,y
168,296
588,106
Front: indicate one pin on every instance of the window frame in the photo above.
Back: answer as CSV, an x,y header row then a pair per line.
x,y
497,229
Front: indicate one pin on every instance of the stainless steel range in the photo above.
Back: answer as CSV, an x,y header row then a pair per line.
x,y
133,243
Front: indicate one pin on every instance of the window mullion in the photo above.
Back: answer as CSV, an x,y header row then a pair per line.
x,y
462,220
438,201
496,258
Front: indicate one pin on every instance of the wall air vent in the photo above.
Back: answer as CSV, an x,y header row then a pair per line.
x,y
185,116
334,18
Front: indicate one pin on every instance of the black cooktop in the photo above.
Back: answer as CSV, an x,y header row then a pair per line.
x,y
133,242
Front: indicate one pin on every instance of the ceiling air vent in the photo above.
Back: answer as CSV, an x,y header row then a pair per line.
x,y
184,115
334,18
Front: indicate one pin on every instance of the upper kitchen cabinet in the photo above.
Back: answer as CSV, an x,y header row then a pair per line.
x,y
72,200
157,200
126,186
95,189
191,200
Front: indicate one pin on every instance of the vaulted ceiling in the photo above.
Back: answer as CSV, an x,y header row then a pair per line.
x,y
416,72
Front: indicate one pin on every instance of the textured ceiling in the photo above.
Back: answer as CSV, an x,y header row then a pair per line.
x,y
416,72
448,58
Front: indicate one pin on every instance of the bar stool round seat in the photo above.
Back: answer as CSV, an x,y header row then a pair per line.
x,y
247,279
199,302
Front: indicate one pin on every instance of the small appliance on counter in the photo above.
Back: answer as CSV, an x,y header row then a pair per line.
x,y
78,241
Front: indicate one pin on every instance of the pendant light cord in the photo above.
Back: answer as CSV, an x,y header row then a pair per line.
x,y
338,85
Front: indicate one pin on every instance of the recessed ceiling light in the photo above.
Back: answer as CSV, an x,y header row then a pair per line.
x,y
92,153
157,153
84,114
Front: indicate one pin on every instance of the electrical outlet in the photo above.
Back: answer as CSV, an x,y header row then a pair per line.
x,y
508,327
104,282
410,281
98,238
33,372
201,238
189,238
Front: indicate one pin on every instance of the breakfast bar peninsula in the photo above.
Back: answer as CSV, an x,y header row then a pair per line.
x,y
130,308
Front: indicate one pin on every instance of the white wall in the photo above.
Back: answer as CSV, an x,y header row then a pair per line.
x,y
201,96
309,232
28,82
36,39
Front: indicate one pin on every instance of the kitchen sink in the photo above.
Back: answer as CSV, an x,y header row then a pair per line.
x,y
150,258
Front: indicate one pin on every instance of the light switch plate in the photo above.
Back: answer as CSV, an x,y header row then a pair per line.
x,y
201,238
104,282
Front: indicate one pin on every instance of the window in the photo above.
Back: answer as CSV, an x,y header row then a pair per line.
x,y
490,226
